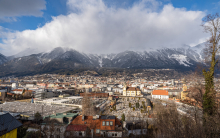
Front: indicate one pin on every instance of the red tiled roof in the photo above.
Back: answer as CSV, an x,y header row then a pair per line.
x,y
90,122
17,90
11,94
28,91
76,127
160,92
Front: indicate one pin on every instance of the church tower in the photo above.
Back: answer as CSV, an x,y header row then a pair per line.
x,y
125,90
184,93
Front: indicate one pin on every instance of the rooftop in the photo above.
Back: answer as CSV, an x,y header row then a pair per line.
x,y
61,115
8,123
76,127
29,109
133,89
160,92
107,117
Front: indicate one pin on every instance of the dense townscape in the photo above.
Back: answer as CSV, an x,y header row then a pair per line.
x,y
109,69
91,105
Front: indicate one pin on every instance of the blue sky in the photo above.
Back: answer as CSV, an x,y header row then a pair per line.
x,y
16,19
58,7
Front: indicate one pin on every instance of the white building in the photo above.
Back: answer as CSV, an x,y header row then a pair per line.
x,y
14,85
17,91
29,85
43,93
109,88
160,94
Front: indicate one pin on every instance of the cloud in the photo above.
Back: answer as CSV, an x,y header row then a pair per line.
x,y
9,9
92,27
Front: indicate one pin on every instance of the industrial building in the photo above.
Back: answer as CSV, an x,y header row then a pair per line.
x,y
28,110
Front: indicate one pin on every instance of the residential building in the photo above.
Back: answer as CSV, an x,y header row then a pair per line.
x,y
17,91
160,94
8,126
109,126
43,93
131,91
14,85
76,131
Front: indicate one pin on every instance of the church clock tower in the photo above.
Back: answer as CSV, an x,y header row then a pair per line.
x,y
125,90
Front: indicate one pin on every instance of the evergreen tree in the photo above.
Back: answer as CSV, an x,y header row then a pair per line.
x,y
123,117
137,105
21,132
130,105
37,116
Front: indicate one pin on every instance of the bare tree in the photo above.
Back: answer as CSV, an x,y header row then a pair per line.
x,y
52,128
211,24
196,88
171,124
88,108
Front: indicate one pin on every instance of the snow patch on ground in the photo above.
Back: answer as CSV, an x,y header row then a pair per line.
x,y
181,59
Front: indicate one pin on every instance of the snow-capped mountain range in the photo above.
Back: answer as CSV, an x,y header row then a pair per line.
x,y
184,57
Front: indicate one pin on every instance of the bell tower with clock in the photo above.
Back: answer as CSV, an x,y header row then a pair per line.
x,y
125,90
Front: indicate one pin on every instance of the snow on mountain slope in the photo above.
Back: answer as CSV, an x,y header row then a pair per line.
x,y
174,58
181,59
200,49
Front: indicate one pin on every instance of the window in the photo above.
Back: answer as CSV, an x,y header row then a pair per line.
x,y
113,134
116,134
103,123
111,123
80,133
97,131
107,123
